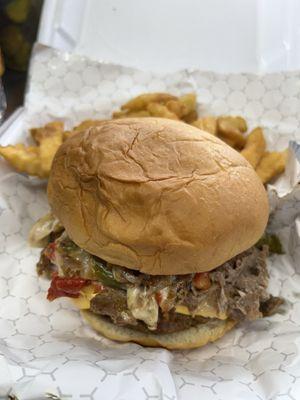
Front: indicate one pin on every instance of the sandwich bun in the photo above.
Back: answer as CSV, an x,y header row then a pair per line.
x,y
156,195
190,338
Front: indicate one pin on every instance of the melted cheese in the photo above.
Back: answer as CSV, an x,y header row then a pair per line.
x,y
143,306
84,300
204,310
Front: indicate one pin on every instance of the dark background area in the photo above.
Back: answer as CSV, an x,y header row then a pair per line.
x,y
14,87
19,21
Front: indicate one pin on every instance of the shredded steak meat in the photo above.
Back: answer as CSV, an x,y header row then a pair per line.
x,y
45,267
243,282
270,306
238,288
175,322
155,282
118,312
113,303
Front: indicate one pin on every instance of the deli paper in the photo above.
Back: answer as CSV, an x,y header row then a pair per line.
x,y
45,348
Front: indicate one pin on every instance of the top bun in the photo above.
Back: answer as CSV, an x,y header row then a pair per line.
x,y
156,195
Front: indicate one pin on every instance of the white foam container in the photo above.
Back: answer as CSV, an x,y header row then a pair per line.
x,y
220,35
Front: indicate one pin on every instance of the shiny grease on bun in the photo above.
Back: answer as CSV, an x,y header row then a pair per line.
x,y
156,195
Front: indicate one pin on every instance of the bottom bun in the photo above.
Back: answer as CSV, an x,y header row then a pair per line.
x,y
190,338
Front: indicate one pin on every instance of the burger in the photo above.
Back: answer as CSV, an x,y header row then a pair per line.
x,y
153,233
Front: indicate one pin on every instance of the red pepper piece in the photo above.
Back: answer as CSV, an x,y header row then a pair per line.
x,y
66,287
202,281
50,251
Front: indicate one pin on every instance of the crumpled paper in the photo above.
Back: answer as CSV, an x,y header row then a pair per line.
x,y
46,351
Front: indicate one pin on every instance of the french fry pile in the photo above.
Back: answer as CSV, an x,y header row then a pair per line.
x,y
161,105
231,129
36,160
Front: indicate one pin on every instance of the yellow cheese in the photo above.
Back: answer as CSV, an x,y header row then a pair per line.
x,y
84,300
204,310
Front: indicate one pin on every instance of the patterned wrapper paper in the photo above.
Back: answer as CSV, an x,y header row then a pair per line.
x,y
46,348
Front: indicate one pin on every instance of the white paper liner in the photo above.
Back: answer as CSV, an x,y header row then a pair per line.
x,y
46,348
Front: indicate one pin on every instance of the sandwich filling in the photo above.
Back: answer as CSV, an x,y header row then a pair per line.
x,y
158,303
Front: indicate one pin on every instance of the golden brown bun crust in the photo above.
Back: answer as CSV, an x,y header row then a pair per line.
x,y
189,338
157,195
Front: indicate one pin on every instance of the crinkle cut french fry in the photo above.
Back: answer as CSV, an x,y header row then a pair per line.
x,y
231,128
119,114
50,129
190,102
88,123
178,108
255,147
271,165
131,114
67,134
47,150
141,102
235,122
208,124
190,117
161,111
240,123
34,160
23,159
